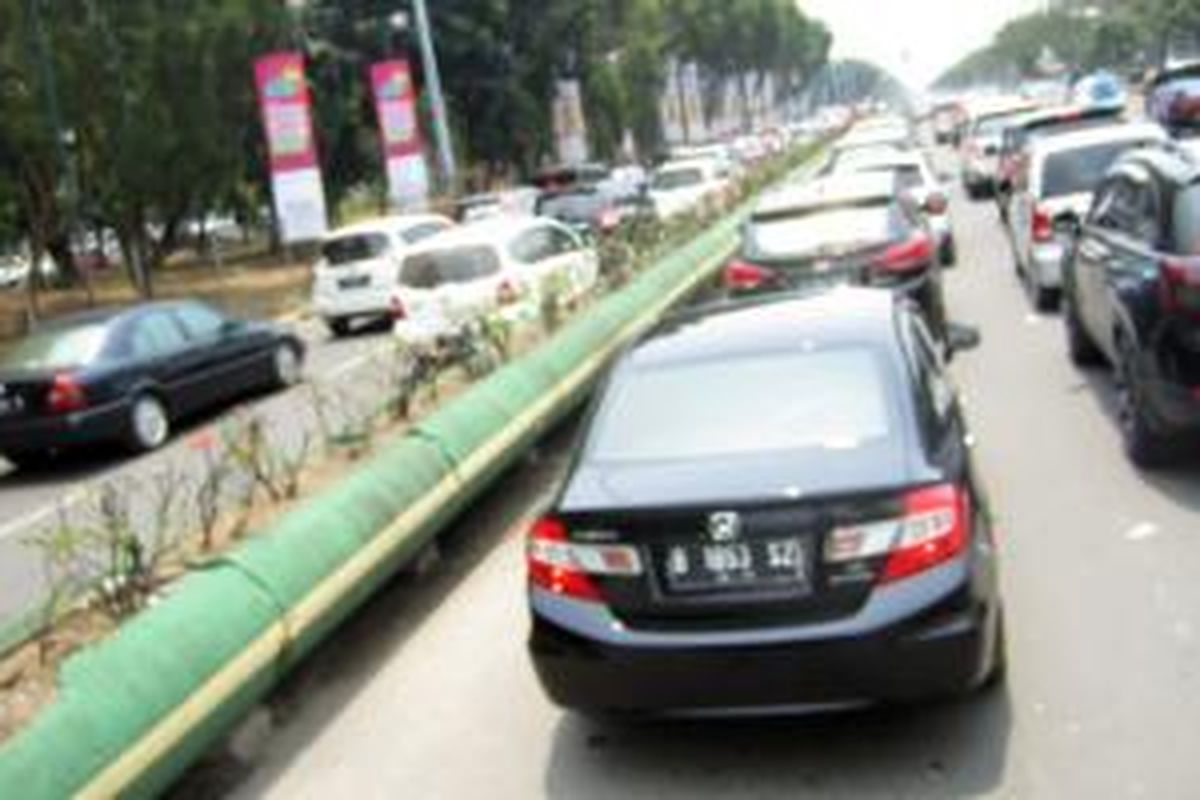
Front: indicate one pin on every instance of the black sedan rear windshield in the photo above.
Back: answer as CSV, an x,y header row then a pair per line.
x,y
834,231
54,349
821,401
1079,171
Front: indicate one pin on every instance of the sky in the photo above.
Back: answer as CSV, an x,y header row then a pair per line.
x,y
916,40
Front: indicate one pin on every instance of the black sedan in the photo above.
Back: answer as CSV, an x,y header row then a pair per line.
x,y
1131,298
774,509
852,228
127,375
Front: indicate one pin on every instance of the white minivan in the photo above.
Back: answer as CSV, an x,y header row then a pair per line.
x,y
497,264
359,265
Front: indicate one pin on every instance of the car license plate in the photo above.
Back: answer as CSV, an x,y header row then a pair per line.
x,y
355,282
755,564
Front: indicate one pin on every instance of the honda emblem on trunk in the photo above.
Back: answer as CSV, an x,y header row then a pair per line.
x,y
724,526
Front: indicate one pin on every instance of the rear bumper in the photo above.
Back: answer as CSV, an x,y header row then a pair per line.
x,y
1046,261
941,648
104,424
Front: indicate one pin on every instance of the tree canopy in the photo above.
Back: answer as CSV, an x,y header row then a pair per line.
x,y
138,116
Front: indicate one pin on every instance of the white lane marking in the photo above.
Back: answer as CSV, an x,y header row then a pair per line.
x,y
1141,532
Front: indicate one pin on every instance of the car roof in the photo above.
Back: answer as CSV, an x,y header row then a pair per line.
x,y
112,314
844,189
887,158
775,323
1120,132
495,230
387,224
1070,113
1175,162
691,162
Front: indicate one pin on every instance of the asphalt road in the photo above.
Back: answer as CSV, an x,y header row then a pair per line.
x,y
428,692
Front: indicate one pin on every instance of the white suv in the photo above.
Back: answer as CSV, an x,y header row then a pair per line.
x,y
499,264
360,264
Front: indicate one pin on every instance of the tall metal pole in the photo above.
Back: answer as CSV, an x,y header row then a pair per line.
x,y
433,79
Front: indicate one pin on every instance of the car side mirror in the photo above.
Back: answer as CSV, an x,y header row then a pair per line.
x,y
961,339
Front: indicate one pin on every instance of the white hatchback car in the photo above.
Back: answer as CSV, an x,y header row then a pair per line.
x,y
499,264
359,266
915,177
681,187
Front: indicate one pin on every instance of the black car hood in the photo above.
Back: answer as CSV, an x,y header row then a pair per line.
x,y
760,478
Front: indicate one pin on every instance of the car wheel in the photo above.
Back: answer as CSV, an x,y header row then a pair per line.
x,y
1082,349
287,366
1144,446
1045,298
949,253
339,327
149,423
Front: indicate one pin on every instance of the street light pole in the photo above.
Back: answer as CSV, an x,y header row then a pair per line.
x,y
433,79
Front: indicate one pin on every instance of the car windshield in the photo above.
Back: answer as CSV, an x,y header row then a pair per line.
x,y
355,247
453,265
833,400
1080,170
680,178
579,205
832,231
56,348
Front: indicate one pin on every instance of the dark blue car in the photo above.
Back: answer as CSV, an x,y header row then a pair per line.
x,y
774,508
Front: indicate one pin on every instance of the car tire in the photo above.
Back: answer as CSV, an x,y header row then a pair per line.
x,y
1144,446
1080,346
1045,299
949,255
149,425
287,366
338,326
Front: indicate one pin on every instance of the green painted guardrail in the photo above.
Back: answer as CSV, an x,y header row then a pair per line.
x,y
133,711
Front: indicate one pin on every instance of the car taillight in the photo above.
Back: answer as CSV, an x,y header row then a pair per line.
x,y
609,220
507,294
1179,285
559,565
1043,226
911,254
396,308
934,529
66,394
745,276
